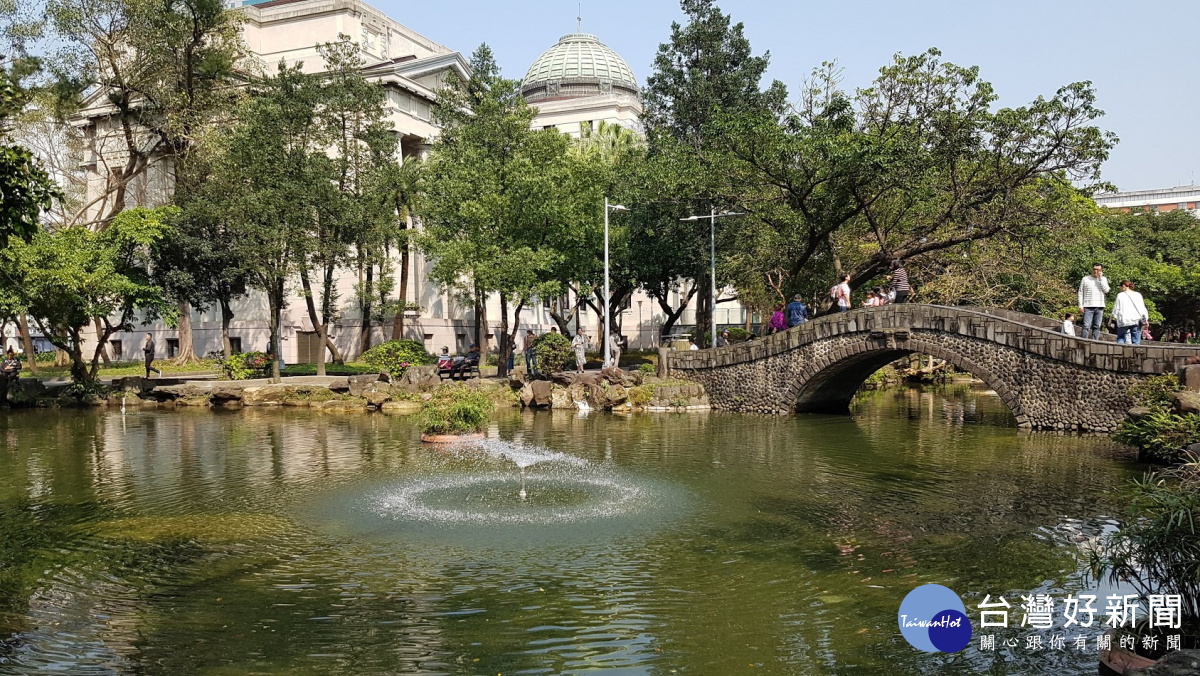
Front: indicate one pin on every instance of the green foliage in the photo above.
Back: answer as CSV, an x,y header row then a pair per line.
x,y
25,187
1156,390
647,369
66,278
553,352
1157,549
1161,434
456,410
246,365
395,356
738,335
641,395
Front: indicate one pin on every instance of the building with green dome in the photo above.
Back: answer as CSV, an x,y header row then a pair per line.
x,y
580,82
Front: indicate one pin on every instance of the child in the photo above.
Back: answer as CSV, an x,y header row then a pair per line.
x,y
1069,324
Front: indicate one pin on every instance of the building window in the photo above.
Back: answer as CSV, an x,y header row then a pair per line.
x,y
117,350
1182,206
172,348
549,127
235,345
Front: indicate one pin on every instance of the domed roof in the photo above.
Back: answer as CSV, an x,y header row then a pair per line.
x,y
578,58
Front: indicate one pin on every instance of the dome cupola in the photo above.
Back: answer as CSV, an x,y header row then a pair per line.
x,y
578,66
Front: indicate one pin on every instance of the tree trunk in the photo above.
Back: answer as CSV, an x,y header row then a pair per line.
x,y
368,291
672,314
318,324
27,342
226,319
100,342
398,323
275,301
481,327
505,343
79,369
187,351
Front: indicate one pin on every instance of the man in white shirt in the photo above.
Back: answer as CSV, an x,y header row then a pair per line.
x,y
1092,290
1129,311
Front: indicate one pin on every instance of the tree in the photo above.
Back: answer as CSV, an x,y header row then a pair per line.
x,y
499,200
917,165
705,72
65,278
25,187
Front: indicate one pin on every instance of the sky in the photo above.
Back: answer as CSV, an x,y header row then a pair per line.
x,y
1143,56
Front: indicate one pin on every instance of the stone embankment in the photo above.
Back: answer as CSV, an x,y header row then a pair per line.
x,y
607,390
611,390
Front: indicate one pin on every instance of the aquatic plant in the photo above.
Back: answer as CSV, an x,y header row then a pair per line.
x,y
456,410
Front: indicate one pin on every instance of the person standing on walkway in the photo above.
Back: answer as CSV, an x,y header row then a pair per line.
x,y
841,294
797,313
580,344
1069,324
530,357
1092,290
148,350
900,284
10,372
778,320
1129,311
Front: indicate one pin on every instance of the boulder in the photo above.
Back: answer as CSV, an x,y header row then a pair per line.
x,y
1177,663
517,379
378,393
1194,449
226,392
1186,401
343,406
526,396
560,400
164,392
266,395
135,384
358,384
542,391
25,391
615,395
403,407
1189,377
418,379
1138,412
596,396
193,401
339,384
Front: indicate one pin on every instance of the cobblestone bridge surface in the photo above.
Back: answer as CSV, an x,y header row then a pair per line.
x,y
1047,379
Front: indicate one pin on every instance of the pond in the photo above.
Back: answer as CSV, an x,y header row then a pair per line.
x,y
280,541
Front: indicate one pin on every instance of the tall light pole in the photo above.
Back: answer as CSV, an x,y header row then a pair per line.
x,y
712,241
607,299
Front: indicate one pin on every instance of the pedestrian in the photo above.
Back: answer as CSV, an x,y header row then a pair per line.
x,y
797,313
778,320
723,339
580,345
880,297
10,372
1129,312
530,357
840,293
1092,290
871,300
148,350
1068,327
899,279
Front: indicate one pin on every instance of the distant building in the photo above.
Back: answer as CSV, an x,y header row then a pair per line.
x,y
580,82
1184,197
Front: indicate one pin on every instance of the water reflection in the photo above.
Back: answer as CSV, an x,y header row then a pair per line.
x,y
194,540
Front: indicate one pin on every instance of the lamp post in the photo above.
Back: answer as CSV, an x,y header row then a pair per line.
x,y
712,241
607,300
641,346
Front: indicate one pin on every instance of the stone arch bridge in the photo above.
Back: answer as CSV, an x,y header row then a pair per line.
x,y
1048,380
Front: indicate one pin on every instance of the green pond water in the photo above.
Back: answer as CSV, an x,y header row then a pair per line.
x,y
281,541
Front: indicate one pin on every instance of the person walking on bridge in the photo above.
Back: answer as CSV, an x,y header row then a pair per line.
x,y
900,283
797,313
1129,312
841,294
1092,290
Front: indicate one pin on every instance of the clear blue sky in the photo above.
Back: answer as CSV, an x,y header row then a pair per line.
x,y
1143,56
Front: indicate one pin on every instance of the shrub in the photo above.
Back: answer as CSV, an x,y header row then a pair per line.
x,y
553,352
1157,549
641,395
395,356
1155,391
738,335
456,410
647,369
1161,434
245,365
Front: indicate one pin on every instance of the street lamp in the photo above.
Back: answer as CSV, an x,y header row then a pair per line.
x,y
607,299
712,240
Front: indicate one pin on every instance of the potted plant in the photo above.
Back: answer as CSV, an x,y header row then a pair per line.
x,y
455,414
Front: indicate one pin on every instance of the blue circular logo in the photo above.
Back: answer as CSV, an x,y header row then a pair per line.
x,y
933,619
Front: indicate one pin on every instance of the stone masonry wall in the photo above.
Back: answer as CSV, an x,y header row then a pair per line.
x,y
1048,380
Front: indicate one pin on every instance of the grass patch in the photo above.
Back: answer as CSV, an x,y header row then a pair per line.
x,y
351,369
